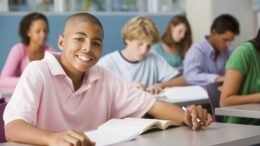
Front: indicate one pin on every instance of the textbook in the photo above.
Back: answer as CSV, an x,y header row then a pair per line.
x,y
185,93
120,130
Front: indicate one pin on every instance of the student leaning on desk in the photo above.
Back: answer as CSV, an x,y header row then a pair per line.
x,y
242,82
61,96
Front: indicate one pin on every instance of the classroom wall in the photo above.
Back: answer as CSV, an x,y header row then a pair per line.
x,y
112,24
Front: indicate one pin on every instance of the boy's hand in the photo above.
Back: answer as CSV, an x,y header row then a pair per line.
x,y
155,89
196,117
70,138
138,85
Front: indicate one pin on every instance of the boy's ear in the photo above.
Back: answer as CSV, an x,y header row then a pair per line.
x,y
61,42
214,31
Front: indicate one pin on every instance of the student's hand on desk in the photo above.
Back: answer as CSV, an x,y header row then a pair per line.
x,y
138,85
220,79
197,117
70,138
155,89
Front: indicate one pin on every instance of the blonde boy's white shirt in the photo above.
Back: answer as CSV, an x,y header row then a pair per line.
x,y
151,70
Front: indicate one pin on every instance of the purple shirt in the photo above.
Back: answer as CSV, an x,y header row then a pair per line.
x,y
45,97
16,62
200,68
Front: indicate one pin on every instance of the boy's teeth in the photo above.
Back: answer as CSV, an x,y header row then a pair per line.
x,y
83,58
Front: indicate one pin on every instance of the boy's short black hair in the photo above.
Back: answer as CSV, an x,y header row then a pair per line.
x,y
224,23
85,17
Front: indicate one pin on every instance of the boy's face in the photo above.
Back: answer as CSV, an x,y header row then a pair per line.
x,y
139,49
81,46
223,41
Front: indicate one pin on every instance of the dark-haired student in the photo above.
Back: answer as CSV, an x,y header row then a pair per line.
x,y
205,61
242,79
33,31
64,94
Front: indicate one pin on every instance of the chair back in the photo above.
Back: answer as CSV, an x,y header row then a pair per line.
x,y
214,98
2,125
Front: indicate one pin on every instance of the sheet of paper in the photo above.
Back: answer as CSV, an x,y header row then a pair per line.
x,y
103,138
185,93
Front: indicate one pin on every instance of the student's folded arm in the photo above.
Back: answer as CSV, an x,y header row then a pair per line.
x,y
26,133
230,90
178,81
32,135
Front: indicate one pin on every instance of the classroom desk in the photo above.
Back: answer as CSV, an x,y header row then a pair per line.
x,y
246,110
185,101
218,134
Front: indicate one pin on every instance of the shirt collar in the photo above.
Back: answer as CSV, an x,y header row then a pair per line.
x,y
56,69
210,51
52,61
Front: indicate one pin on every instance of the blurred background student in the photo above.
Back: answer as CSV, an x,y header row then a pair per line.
x,y
242,80
33,30
205,61
175,41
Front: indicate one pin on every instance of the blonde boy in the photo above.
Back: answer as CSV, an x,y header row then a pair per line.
x,y
135,63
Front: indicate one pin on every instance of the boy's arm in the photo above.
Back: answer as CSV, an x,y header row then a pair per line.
x,y
20,131
168,111
157,88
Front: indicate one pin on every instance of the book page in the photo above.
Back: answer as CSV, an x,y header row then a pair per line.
x,y
167,123
152,123
138,125
183,93
110,137
119,130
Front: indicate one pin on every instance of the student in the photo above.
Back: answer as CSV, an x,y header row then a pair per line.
x,y
135,63
242,82
33,31
175,41
59,97
205,61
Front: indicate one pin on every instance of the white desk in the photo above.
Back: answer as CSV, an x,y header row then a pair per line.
x,y
218,134
185,101
246,110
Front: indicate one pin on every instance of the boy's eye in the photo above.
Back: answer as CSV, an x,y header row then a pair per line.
x,y
139,44
79,39
97,44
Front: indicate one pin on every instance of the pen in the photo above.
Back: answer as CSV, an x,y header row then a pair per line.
x,y
198,119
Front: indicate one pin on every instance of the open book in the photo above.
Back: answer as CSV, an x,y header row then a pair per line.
x,y
185,93
119,130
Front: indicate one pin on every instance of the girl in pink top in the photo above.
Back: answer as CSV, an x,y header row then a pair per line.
x,y
33,31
